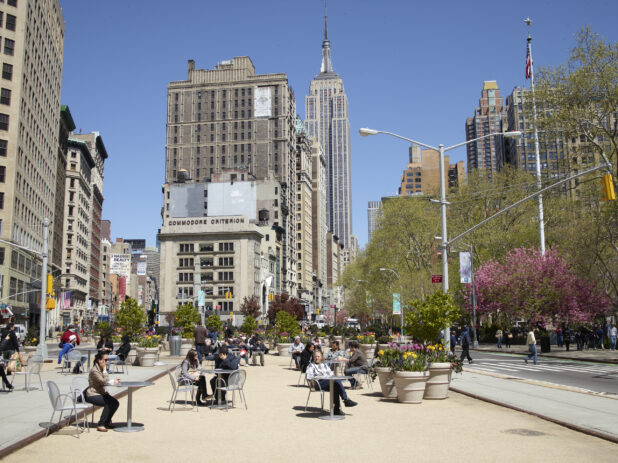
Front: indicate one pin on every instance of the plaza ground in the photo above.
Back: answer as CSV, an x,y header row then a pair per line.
x,y
276,428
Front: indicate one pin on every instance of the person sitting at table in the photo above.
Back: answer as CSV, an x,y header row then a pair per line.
x,y
224,361
356,363
208,351
257,344
317,343
296,349
245,351
70,331
125,347
105,344
306,356
189,374
69,346
319,372
96,393
335,353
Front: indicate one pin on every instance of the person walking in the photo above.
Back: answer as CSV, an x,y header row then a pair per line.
x,y
531,341
453,342
465,345
499,338
200,333
613,332
507,338
567,337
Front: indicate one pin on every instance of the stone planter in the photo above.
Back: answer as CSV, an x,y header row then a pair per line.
x,y
283,348
387,382
147,356
410,386
185,346
382,346
368,350
438,382
132,356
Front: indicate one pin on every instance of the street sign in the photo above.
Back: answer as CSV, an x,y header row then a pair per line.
x,y
396,304
436,278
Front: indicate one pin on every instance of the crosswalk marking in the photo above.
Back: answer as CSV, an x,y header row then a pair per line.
x,y
515,366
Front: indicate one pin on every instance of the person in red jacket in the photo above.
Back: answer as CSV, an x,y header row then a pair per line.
x,y
68,333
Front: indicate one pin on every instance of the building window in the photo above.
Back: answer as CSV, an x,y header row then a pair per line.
x,y
12,2
9,46
10,22
7,71
4,121
1,200
3,147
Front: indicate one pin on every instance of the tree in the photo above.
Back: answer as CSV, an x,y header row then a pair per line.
x,y
537,288
249,325
131,318
186,317
289,304
250,307
428,317
214,323
342,317
285,323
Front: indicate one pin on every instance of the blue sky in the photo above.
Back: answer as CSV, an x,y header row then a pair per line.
x,y
409,67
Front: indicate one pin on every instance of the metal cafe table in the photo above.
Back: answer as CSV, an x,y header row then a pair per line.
x,y
218,372
90,350
331,387
130,385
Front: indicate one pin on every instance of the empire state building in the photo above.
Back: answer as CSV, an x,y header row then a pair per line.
x,y
326,119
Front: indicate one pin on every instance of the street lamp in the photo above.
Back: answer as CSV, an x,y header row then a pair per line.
x,y
384,269
443,203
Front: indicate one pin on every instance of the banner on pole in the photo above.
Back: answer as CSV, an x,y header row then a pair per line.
x,y
465,267
396,304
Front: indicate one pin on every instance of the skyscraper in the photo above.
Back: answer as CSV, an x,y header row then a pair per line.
x,y
374,212
489,117
32,36
326,119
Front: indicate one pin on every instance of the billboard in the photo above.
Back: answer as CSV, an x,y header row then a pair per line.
x,y
262,102
465,267
120,264
231,199
141,268
188,200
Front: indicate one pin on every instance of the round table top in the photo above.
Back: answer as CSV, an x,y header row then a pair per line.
x,y
333,377
87,349
217,371
132,384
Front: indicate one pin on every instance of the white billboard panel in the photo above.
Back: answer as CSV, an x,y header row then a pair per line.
x,y
238,198
120,264
262,102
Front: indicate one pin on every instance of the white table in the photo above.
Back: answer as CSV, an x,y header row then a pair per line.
x,y
130,385
331,387
218,372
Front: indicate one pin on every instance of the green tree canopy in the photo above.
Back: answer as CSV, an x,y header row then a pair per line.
x,y
427,317
186,317
214,323
131,318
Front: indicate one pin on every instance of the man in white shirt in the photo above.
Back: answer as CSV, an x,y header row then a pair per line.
x,y
296,349
316,370
531,341
613,332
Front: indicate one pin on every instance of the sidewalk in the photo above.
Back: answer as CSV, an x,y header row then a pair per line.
x,y
275,427
588,355
589,413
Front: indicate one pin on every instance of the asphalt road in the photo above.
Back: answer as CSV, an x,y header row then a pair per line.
x,y
597,377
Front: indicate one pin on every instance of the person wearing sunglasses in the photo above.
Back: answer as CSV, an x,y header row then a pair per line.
x,y
96,393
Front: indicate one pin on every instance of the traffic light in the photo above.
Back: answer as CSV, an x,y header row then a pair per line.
x,y
609,194
271,297
228,295
50,302
317,311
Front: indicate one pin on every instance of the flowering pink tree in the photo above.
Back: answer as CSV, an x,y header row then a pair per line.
x,y
534,287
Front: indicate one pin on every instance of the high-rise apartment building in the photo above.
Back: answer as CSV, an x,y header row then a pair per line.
x,y
374,212
31,52
304,218
326,119
422,174
230,117
489,117
457,175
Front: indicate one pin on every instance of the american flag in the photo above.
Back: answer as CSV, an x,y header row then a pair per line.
x,y
528,62
65,299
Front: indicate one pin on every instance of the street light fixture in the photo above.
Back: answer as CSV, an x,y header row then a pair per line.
x,y
443,203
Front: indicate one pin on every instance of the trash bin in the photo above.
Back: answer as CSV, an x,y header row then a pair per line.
x,y
175,342
545,345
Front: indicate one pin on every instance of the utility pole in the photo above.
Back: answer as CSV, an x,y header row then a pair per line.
x,y
42,347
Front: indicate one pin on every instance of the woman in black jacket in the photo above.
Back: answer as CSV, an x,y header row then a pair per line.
x,y
306,356
125,347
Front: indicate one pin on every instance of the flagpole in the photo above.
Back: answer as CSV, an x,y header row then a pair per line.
x,y
539,183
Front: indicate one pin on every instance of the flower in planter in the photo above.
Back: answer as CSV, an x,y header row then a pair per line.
x,y
149,341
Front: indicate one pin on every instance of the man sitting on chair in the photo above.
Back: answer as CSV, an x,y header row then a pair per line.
x,y
69,346
357,363
319,372
223,361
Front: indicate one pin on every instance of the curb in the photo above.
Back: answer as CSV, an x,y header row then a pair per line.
x,y
574,427
560,357
39,434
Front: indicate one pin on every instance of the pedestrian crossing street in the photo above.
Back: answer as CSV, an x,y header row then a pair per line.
x,y
513,366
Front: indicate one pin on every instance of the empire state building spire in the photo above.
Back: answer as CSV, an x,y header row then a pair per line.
x,y
327,65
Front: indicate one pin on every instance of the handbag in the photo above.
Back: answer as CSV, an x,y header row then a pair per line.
x,y
14,363
510,336
6,343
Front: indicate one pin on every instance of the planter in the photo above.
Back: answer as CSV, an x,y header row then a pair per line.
x,y
387,382
410,386
132,356
147,356
438,382
382,346
284,349
368,351
185,346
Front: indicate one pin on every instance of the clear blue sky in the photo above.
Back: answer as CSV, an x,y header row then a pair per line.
x,y
410,67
